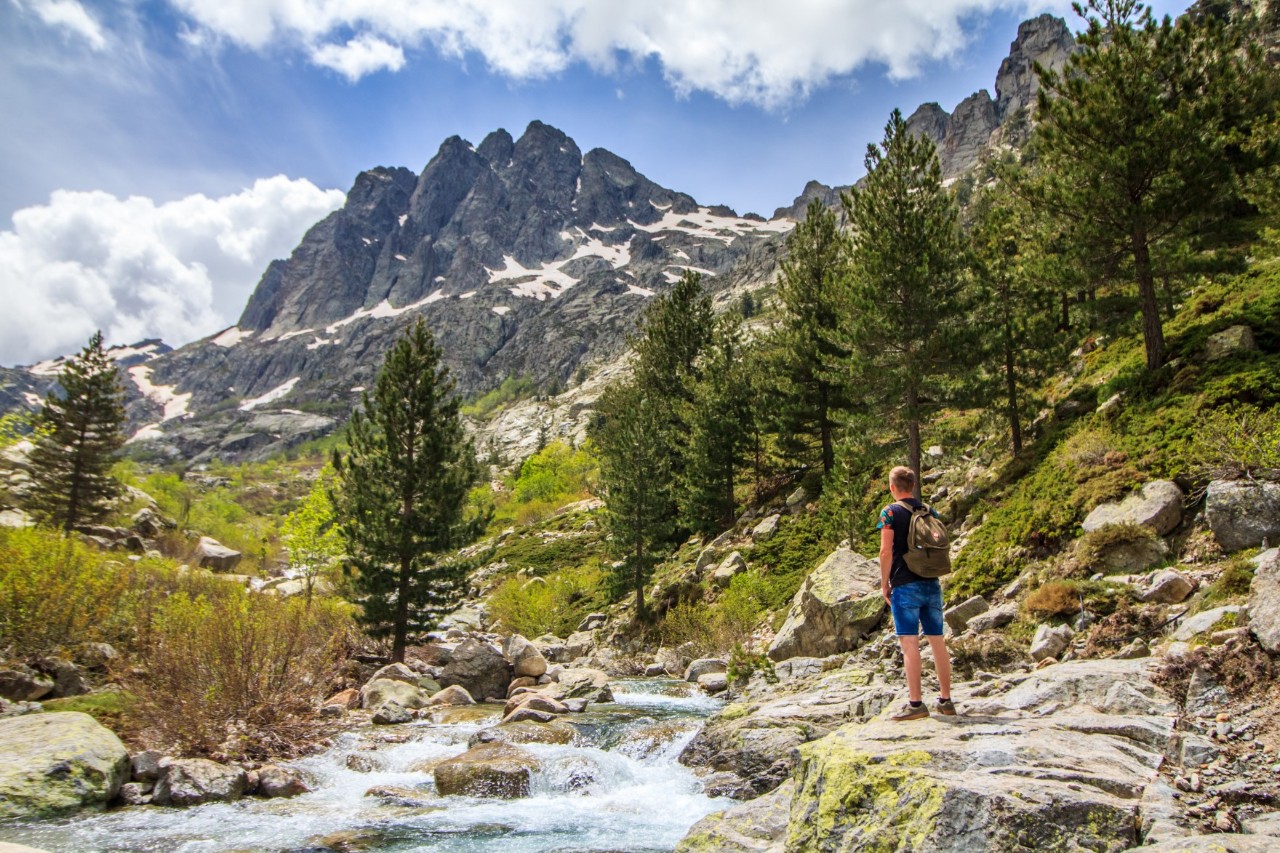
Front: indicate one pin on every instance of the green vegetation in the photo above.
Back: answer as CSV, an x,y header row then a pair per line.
x,y
512,390
400,496
556,475
555,605
78,439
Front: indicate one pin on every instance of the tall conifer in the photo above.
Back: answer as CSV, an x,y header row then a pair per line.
x,y
400,500
1139,133
812,368
906,258
77,437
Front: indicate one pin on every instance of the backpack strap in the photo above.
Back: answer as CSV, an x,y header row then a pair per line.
x,y
912,509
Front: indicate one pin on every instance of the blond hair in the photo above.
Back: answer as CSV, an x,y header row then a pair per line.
x,y
903,479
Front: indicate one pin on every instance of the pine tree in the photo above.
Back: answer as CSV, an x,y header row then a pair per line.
x,y
1022,338
906,257
77,437
403,485
636,481
812,371
720,420
1139,133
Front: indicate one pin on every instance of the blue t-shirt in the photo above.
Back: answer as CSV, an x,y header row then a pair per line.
x,y
898,519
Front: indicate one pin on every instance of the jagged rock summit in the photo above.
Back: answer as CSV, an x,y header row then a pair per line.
x,y
524,256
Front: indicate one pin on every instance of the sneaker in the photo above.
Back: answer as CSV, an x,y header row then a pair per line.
x,y
911,712
946,708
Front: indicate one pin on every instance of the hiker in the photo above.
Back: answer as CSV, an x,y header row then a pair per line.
x,y
915,600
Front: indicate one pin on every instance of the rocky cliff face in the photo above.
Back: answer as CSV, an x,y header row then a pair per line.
x,y
524,257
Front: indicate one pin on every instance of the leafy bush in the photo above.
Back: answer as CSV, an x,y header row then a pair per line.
x,y
512,389
229,674
1236,441
784,561
553,605
743,664
551,478
55,590
716,628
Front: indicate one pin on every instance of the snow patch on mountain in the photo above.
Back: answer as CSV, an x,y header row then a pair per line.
x,y
271,396
230,337
382,310
545,281
165,396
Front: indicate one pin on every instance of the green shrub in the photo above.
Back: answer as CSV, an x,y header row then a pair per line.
x,y
1055,598
743,664
55,590
512,389
1231,586
556,604
109,707
1236,441
716,628
784,561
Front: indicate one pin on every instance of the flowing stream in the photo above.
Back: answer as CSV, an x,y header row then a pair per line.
x,y
618,787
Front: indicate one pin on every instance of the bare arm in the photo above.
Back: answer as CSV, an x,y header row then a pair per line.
x,y
886,559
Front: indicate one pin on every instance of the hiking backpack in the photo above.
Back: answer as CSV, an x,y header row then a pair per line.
x,y
928,543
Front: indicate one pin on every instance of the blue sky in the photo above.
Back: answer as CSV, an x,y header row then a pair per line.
x,y
158,153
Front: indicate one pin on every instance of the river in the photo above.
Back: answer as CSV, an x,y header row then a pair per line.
x,y
618,787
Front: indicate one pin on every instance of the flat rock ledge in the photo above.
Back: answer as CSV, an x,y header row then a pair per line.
x,y
1061,758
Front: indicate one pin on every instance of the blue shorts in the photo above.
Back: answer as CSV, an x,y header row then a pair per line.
x,y
917,605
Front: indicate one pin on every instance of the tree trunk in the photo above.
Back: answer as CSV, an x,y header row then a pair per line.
x,y
1011,389
1152,327
726,517
824,418
913,435
401,627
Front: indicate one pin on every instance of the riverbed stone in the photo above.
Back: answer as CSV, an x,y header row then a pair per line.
x,y
534,701
1216,843
499,770
277,781
702,666
756,826
580,683
145,766
526,731
836,606
1157,505
478,667
713,682
396,672
213,555
1243,513
377,693
58,762
455,695
526,660
196,781
391,713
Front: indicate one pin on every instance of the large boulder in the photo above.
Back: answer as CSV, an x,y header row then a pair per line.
x,y
835,607
23,685
1059,765
1157,505
57,762
582,683
1264,600
488,770
1049,642
526,660
765,530
526,731
380,691
1169,587
703,666
196,781
957,617
1243,513
478,667
1229,341
276,781
1229,615
213,555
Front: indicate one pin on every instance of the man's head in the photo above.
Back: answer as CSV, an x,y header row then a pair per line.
x,y
902,482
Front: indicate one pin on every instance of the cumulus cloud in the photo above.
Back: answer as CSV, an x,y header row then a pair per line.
x,y
362,55
137,269
68,16
744,51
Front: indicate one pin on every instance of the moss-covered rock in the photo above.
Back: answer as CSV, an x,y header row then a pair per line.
x,y
52,763
834,609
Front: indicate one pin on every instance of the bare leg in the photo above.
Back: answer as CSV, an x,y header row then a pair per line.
x,y
941,662
911,662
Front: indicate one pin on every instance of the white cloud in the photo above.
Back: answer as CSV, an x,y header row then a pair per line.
x,y
362,55
138,269
744,51
70,16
